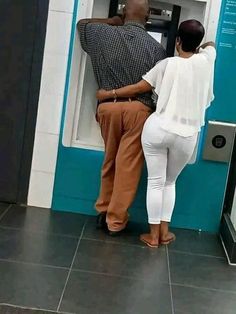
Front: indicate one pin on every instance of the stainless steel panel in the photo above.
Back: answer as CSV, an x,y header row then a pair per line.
x,y
219,141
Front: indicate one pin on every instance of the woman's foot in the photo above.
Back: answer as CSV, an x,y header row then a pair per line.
x,y
152,238
149,240
168,238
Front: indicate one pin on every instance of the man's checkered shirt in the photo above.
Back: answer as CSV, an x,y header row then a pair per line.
x,y
120,55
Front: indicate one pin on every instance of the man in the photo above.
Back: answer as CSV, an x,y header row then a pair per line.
x,y
120,55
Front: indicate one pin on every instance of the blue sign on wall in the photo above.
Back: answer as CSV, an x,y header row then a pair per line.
x,y
225,81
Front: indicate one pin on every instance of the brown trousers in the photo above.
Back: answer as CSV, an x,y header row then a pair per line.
x,y
121,126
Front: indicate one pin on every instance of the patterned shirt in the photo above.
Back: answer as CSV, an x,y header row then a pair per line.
x,y
120,55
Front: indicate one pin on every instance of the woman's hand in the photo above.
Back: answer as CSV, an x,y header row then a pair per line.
x,y
103,94
124,92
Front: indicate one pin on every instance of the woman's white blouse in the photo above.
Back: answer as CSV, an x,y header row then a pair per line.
x,y
185,89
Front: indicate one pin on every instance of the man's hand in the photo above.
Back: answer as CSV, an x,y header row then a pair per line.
x,y
116,21
103,94
113,21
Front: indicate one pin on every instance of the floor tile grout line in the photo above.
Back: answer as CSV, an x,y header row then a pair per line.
x,y
119,243
203,288
33,264
71,266
111,275
32,308
145,247
170,284
40,232
5,211
196,254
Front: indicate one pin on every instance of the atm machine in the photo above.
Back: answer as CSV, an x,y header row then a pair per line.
x,y
81,129
81,149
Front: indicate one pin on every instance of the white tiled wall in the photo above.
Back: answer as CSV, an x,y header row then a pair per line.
x,y
50,103
41,189
61,5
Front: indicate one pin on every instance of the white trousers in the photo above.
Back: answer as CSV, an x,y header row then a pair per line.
x,y
166,155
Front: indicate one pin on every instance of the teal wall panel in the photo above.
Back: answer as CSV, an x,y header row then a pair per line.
x,y
200,188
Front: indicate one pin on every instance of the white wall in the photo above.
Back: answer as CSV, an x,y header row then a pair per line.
x,y
50,103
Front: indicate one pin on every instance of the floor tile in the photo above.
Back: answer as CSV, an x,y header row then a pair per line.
x,y
129,236
123,260
3,207
30,285
198,243
44,220
11,309
99,294
195,301
201,271
40,248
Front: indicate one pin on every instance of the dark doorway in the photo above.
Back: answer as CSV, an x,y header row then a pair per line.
x,y
228,226
22,34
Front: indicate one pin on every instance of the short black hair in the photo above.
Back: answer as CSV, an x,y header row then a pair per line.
x,y
191,33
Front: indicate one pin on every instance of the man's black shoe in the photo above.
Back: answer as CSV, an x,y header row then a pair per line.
x,y
115,233
101,221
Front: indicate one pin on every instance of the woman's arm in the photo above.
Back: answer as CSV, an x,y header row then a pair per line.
x,y
208,44
127,91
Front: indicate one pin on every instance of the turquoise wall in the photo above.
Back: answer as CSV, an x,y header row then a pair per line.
x,y
200,189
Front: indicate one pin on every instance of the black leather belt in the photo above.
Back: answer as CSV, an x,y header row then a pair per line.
x,y
127,99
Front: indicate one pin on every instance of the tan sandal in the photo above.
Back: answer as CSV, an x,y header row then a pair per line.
x,y
168,241
151,245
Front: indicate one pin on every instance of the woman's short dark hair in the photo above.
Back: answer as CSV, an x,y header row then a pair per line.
x,y
191,33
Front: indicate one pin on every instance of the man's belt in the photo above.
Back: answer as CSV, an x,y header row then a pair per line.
x,y
126,99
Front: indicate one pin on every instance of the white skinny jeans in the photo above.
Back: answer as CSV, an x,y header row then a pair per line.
x,y
166,155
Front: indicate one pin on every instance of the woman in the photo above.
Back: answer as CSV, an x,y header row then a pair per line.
x,y
184,86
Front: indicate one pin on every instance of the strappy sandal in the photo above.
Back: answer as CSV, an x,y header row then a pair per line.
x,y
153,246
168,241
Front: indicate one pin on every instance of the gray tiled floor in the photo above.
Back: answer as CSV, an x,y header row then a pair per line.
x,y
59,261
204,301
96,293
3,208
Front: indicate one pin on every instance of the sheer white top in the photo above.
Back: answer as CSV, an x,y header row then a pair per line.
x,y
185,89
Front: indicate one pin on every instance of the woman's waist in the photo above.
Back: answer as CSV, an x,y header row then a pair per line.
x,y
180,127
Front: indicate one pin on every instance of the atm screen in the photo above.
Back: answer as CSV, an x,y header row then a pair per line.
x,y
156,36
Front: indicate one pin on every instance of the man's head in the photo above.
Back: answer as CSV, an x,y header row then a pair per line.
x,y
136,10
190,35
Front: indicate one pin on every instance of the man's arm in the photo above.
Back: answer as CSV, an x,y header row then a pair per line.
x,y
90,29
113,21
